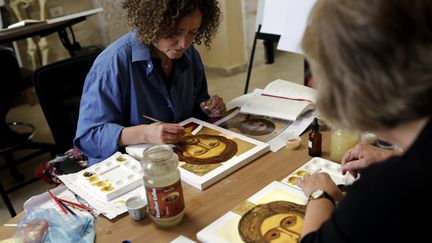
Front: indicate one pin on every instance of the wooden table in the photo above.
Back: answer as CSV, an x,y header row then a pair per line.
x,y
203,207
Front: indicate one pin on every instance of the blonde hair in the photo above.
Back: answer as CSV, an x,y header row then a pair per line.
x,y
156,19
371,61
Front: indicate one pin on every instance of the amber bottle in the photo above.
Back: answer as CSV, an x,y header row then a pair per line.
x,y
315,138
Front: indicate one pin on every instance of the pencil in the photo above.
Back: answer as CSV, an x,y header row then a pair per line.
x,y
57,201
75,204
67,208
152,119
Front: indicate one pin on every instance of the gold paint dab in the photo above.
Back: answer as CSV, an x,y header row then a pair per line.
x,y
93,178
292,180
107,188
302,173
243,207
100,183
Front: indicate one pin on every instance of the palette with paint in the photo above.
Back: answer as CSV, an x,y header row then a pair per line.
x,y
113,177
319,165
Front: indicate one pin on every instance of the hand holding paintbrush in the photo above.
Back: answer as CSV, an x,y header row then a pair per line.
x,y
158,132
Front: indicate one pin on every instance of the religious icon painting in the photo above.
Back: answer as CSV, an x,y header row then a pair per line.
x,y
270,130
258,127
274,214
207,153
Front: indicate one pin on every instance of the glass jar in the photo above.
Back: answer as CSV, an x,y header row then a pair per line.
x,y
340,142
163,186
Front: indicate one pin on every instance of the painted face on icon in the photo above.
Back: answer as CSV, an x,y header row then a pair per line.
x,y
277,221
283,227
205,149
257,126
175,45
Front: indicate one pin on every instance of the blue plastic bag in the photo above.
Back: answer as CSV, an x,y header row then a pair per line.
x,y
61,228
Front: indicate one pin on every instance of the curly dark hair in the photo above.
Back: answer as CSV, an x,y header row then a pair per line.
x,y
156,19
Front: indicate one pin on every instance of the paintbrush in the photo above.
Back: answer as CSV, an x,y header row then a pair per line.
x,y
152,119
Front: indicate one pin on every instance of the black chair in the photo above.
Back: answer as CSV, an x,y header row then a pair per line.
x,y
59,87
16,151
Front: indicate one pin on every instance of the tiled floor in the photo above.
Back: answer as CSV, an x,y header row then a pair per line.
x,y
286,66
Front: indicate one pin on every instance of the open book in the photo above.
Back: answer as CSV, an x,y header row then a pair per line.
x,y
279,99
25,22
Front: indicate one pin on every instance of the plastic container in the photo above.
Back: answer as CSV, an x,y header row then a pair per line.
x,y
293,142
163,186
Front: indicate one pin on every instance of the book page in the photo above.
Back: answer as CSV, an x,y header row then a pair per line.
x,y
290,90
75,15
25,22
244,99
276,107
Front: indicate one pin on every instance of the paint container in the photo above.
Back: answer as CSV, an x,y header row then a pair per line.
x,y
293,142
137,207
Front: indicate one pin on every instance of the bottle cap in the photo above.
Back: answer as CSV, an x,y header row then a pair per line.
x,y
315,125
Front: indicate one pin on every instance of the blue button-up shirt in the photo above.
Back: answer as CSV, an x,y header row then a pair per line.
x,y
123,85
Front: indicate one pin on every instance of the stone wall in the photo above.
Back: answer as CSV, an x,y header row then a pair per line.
x,y
100,29
105,27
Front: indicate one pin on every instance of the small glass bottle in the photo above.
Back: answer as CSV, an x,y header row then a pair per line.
x,y
163,186
315,139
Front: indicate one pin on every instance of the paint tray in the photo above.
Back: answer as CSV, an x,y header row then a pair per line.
x,y
112,177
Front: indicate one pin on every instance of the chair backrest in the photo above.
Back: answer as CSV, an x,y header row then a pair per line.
x,y
59,88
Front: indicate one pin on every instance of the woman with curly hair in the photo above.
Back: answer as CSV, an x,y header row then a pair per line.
x,y
153,70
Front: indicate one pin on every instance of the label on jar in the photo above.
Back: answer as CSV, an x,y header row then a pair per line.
x,y
165,202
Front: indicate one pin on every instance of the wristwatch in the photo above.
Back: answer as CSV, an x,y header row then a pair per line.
x,y
321,194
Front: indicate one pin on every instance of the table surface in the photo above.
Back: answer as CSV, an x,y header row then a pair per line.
x,y
203,207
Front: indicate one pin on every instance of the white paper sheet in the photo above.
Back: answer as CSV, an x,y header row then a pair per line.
x,y
287,18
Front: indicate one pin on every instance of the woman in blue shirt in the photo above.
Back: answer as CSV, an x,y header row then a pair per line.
x,y
153,70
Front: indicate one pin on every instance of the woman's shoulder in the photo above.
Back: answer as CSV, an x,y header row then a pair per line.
x,y
121,47
119,53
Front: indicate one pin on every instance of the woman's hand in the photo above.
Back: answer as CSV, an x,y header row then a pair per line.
x,y
319,181
213,107
158,133
318,211
361,156
163,133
